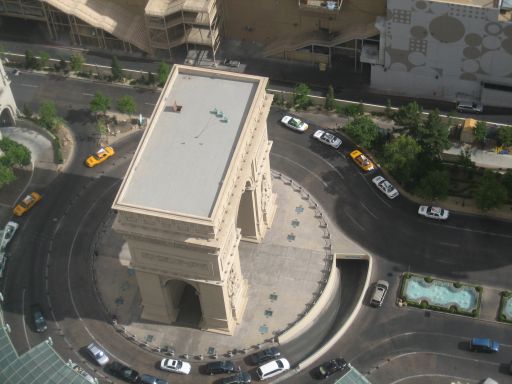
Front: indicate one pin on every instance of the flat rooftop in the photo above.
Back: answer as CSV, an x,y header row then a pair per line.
x,y
182,160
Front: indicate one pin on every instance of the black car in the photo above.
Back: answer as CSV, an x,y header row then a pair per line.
x,y
239,378
149,379
38,318
265,355
332,366
219,367
123,372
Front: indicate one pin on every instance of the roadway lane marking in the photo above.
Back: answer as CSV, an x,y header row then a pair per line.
x,y
87,94
460,379
152,104
70,254
354,221
302,167
477,231
29,85
449,244
317,156
23,317
370,212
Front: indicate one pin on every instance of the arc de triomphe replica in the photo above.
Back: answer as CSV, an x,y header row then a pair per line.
x,y
199,182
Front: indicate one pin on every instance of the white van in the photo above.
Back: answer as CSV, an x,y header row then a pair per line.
x,y
274,368
469,107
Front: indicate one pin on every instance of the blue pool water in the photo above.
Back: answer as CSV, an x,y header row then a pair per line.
x,y
441,293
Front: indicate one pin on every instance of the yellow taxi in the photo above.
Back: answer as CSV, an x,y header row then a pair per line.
x,y
362,161
28,202
100,156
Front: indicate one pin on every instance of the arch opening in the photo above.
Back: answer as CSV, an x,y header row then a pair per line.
x,y
186,305
245,219
6,118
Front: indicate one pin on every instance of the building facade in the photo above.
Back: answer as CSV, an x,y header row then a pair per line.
x,y
198,184
7,104
450,50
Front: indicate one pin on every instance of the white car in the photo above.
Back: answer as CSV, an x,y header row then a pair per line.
x,y
385,186
97,354
273,368
176,366
294,123
327,138
436,213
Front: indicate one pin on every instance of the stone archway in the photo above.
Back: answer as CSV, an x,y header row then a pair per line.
x,y
198,184
7,118
185,307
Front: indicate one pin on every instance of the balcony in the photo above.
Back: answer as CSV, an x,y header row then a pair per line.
x,y
320,5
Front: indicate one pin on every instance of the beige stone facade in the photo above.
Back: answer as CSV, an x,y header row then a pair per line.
x,y
175,248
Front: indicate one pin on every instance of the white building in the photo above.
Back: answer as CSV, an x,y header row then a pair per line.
x,y
450,50
7,103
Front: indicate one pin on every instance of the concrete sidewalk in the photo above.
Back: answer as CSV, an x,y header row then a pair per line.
x,y
285,273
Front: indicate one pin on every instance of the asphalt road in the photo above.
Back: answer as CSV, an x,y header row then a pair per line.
x,y
52,248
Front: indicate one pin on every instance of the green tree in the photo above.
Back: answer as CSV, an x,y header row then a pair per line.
x,y
126,104
480,132
433,136
117,71
490,193
6,175
76,62
400,157
100,103
15,153
163,73
507,182
44,58
151,79
329,99
363,130
48,117
353,110
466,163
301,97
435,185
388,112
101,125
27,112
410,117
505,135
30,60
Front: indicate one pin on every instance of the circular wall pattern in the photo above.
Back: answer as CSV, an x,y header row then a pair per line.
x,y
416,58
491,42
508,31
473,39
493,28
468,76
419,32
495,63
421,5
507,45
470,66
471,52
446,29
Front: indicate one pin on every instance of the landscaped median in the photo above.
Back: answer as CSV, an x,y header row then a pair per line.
x,y
505,312
440,295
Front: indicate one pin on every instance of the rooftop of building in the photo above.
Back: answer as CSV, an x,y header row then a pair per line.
x,y
474,3
183,157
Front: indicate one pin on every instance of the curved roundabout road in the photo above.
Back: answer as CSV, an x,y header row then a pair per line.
x,y
54,265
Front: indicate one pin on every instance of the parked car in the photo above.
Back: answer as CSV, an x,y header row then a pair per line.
x,y
83,373
239,378
436,213
265,355
489,381
123,372
176,366
148,379
99,157
469,107
379,293
215,367
231,63
385,186
483,345
331,367
327,138
294,123
26,204
273,368
362,161
38,318
97,354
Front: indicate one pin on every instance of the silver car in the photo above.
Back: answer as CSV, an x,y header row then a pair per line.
x,y
436,213
97,354
385,186
294,123
379,293
327,138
